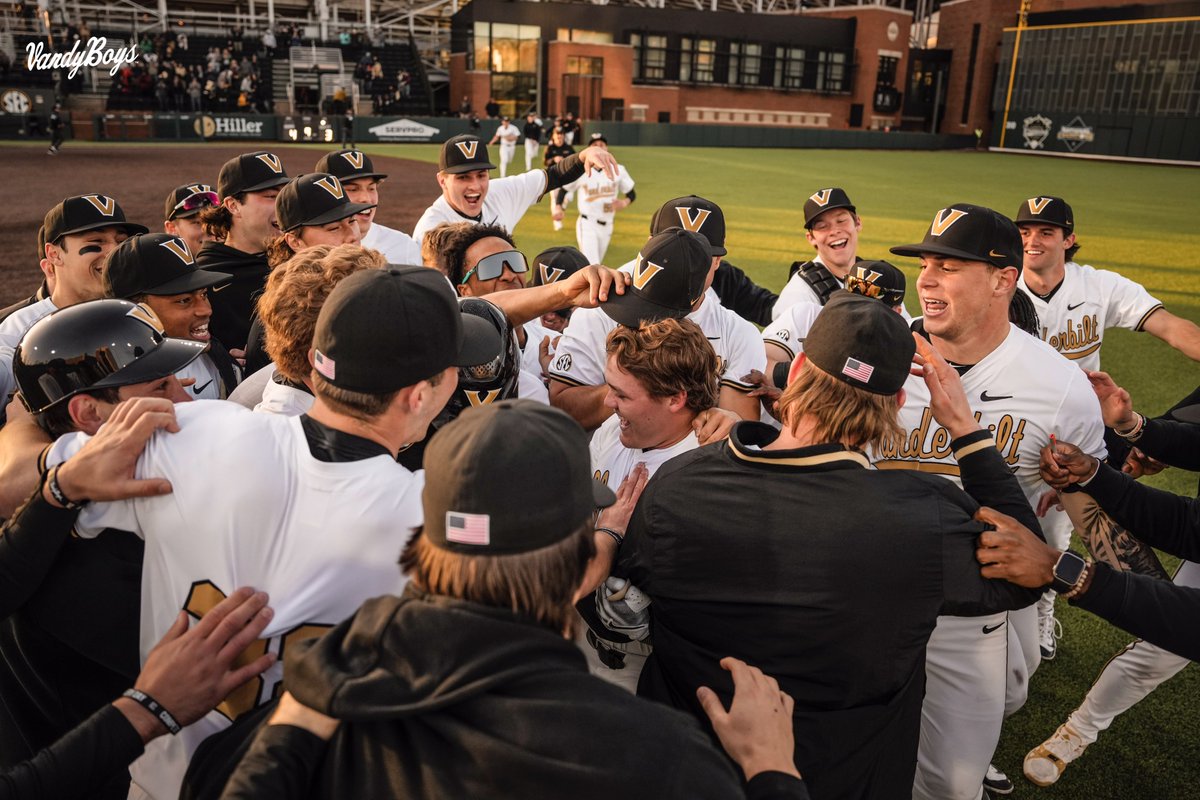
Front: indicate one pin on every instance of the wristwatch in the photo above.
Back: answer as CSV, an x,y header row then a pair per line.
x,y
1069,572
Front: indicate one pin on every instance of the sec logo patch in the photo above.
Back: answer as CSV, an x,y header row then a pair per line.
x,y
564,363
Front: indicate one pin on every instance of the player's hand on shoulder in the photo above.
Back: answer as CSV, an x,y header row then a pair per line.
x,y
757,730
1010,551
714,425
947,400
103,469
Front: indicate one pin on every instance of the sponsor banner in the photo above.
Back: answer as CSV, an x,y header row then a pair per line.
x,y
235,126
400,129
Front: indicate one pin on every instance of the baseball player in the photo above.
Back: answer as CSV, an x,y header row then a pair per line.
x,y
599,204
1024,392
469,196
181,216
56,130
361,182
1077,303
241,225
556,150
832,226
670,278
311,210
159,270
549,266
79,232
660,377
378,387
507,135
532,131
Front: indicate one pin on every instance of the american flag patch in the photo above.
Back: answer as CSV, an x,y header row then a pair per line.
x,y
858,370
468,528
324,364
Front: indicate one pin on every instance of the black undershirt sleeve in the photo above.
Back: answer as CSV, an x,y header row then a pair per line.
x,y
1155,610
29,544
569,170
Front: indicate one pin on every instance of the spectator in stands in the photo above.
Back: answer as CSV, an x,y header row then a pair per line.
x,y
268,42
182,40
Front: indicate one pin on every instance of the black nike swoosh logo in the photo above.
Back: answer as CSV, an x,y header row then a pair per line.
x,y
196,390
1072,308
987,398
989,629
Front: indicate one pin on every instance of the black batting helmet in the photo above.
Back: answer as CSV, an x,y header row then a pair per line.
x,y
95,345
491,381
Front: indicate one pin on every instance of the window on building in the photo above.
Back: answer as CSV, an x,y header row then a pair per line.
x,y
584,36
834,72
790,71
585,65
649,56
745,63
886,76
697,58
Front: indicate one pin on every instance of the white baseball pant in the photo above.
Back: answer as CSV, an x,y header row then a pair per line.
x,y
593,236
1056,525
531,152
507,153
965,668
1129,675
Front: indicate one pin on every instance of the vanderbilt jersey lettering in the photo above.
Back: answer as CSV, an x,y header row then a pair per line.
x,y
507,201
317,568
1088,302
580,355
613,461
1037,393
595,192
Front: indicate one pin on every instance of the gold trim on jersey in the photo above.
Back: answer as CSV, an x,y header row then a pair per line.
x,y
566,380
974,447
933,467
1075,356
1146,316
737,386
805,461
781,346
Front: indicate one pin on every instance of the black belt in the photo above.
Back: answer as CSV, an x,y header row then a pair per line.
x,y
597,221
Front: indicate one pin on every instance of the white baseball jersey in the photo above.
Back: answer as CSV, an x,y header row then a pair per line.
x,y
613,461
535,331
509,135
207,379
397,247
251,506
595,193
1023,392
530,387
1086,303
506,202
797,290
580,357
12,330
280,398
249,392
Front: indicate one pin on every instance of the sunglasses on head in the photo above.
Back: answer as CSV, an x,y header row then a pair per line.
x,y
196,200
491,267
868,289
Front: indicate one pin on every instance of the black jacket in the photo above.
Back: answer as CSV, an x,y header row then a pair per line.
x,y
823,573
443,698
233,303
743,296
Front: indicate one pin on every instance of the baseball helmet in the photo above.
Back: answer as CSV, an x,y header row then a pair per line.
x,y
493,380
95,345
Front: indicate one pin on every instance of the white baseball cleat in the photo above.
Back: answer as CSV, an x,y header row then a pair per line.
x,y
1049,632
1046,763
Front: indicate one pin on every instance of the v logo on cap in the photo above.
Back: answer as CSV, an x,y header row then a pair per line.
x,y
1038,204
355,158
873,276
199,187
467,148
821,198
331,185
105,205
480,398
690,223
179,247
944,219
144,313
644,272
549,275
272,161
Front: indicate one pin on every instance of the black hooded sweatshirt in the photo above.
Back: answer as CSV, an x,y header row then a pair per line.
x,y
233,302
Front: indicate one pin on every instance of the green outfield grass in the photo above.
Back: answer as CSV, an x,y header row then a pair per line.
x,y
1139,220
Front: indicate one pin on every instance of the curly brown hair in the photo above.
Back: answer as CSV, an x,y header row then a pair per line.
x,y
295,292
668,357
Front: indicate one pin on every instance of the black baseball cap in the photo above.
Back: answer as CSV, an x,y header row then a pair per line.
x,y
861,342
251,172
824,200
468,510
668,278
598,137
1047,210
86,212
464,153
189,200
972,233
348,165
314,199
877,279
694,214
156,263
383,329
556,263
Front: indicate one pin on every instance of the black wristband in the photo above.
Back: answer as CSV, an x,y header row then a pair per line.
x,y
779,375
154,707
57,493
